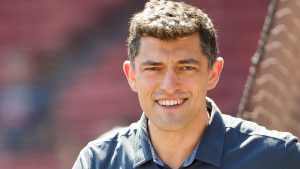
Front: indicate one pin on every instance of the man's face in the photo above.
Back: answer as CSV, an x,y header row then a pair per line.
x,y
172,79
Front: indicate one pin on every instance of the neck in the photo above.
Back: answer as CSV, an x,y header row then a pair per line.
x,y
174,147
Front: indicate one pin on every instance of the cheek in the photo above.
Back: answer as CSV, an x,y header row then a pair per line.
x,y
146,85
197,86
145,90
145,99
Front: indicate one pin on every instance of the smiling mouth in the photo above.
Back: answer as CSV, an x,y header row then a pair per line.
x,y
171,102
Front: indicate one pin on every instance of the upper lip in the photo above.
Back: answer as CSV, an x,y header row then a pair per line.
x,y
170,98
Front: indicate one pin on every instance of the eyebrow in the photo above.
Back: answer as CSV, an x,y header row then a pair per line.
x,y
184,61
152,63
189,61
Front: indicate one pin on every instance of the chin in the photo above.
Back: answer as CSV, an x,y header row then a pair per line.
x,y
169,124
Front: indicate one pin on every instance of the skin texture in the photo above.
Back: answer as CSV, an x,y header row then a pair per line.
x,y
173,72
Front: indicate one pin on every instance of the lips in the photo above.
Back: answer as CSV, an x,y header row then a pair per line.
x,y
170,102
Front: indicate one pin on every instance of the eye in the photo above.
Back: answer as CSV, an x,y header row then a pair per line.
x,y
152,69
187,68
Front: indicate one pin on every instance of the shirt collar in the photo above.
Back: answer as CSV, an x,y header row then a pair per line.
x,y
142,145
211,146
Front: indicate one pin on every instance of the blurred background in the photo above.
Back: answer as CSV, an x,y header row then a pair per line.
x,y
61,79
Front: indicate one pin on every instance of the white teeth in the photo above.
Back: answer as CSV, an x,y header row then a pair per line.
x,y
170,102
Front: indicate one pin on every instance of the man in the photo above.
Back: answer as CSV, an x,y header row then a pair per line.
x,y
173,62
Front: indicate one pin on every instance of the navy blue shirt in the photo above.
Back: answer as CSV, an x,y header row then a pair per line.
x,y
228,143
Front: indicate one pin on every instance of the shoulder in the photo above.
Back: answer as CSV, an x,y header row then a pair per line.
x,y
115,135
238,128
118,137
101,151
248,129
251,139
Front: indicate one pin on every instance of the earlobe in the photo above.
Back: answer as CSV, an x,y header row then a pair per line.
x,y
130,74
215,73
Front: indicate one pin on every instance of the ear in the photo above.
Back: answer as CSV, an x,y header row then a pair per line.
x,y
130,74
215,73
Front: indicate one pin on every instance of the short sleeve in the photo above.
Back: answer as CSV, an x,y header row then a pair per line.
x,y
292,153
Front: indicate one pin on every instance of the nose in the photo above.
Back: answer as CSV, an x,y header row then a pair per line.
x,y
170,83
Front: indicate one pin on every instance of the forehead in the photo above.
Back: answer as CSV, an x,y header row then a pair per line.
x,y
187,47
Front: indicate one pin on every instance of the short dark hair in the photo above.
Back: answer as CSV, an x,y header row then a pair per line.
x,y
169,20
